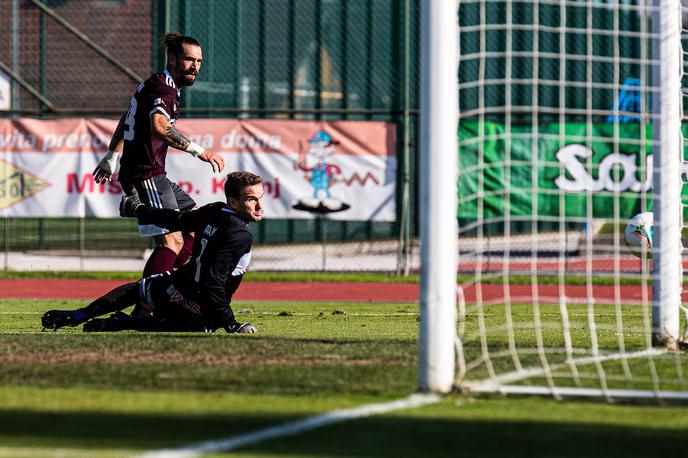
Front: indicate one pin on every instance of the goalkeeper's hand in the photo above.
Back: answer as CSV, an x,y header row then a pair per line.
x,y
129,205
106,167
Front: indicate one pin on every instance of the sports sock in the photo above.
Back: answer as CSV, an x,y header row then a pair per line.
x,y
185,252
161,260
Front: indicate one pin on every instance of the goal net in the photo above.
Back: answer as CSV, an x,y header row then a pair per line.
x,y
569,125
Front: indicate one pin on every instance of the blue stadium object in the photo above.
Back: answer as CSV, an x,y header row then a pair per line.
x,y
320,136
629,101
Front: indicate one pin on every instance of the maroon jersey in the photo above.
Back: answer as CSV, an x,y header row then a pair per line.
x,y
144,153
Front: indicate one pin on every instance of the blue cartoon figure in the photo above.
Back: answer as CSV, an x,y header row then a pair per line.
x,y
322,175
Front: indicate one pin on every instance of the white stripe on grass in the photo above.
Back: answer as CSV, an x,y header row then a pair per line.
x,y
60,452
292,428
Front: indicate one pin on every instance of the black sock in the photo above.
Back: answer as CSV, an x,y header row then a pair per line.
x,y
117,299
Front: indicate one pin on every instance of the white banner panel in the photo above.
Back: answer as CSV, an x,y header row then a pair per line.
x,y
5,92
345,167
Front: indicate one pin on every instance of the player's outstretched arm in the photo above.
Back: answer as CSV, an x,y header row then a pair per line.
x,y
106,167
131,207
172,137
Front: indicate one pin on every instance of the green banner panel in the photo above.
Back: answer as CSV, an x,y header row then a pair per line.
x,y
574,170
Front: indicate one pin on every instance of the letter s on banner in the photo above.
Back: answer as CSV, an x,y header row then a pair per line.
x,y
582,180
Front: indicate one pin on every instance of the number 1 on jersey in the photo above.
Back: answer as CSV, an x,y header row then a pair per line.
x,y
204,243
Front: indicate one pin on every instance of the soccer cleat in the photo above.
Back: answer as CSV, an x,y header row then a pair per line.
x,y
241,328
118,321
55,319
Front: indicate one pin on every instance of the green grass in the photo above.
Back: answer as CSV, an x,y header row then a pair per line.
x,y
67,393
617,330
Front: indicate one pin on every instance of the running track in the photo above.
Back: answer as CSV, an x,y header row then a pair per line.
x,y
331,291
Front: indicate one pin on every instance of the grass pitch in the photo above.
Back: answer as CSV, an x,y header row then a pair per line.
x,y
71,394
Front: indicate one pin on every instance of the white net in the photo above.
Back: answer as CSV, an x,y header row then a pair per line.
x,y
555,154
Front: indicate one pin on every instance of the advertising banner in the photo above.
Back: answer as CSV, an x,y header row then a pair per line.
x,y
347,168
5,92
554,171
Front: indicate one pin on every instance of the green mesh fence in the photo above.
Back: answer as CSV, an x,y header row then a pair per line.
x,y
537,30
298,59
290,56
78,56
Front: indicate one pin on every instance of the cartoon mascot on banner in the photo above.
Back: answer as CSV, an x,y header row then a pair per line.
x,y
322,175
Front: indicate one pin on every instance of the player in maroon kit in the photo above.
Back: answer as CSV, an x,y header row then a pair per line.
x,y
144,133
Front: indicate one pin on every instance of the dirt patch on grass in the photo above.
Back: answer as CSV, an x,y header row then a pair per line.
x,y
156,357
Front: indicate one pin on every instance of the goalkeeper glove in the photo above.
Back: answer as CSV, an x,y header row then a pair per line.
x,y
129,205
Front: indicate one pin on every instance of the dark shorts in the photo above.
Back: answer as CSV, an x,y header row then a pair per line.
x,y
168,304
160,192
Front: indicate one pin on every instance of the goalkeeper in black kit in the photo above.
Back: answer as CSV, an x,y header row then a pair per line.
x,y
196,297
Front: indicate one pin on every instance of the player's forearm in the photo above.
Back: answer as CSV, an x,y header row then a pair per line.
x,y
165,131
118,136
167,218
169,134
163,217
175,139
107,165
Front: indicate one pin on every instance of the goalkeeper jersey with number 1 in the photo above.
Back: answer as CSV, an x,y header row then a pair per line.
x,y
220,257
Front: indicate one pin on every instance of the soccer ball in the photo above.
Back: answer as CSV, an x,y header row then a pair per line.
x,y
639,234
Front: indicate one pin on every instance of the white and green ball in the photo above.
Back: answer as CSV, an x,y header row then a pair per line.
x,y
639,234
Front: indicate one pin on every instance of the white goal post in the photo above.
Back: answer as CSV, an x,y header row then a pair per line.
x,y
438,172
570,123
667,148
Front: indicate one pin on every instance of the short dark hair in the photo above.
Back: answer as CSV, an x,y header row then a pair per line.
x,y
236,181
174,41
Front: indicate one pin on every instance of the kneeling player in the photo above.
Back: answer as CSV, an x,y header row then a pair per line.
x,y
197,296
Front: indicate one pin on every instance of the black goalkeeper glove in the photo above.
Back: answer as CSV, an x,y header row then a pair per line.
x,y
129,205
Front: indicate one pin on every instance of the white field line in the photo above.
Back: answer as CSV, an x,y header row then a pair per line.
x,y
292,428
57,452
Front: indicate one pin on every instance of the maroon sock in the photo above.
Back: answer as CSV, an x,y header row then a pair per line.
x,y
161,260
185,252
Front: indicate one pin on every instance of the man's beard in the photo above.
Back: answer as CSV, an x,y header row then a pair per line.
x,y
185,74
189,82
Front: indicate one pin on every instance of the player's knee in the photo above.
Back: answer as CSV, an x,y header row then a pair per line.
x,y
174,241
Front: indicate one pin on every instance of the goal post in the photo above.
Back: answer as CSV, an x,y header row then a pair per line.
x,y
570,123
438,198
667,153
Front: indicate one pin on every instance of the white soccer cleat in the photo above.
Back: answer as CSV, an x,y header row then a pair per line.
x,y
242,328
